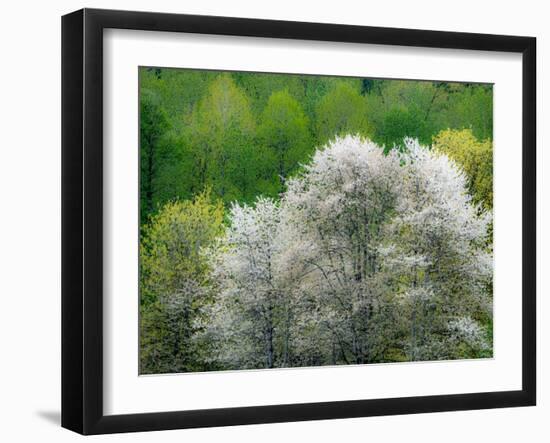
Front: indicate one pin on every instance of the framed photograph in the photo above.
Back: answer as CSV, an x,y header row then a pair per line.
x,y
268,221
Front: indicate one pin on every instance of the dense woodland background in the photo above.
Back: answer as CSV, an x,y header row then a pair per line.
x,y
212,143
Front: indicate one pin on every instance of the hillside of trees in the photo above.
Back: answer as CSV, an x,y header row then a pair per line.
x,y
291,220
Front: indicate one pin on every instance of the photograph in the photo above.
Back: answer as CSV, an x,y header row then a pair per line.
x,y
275,222
291,221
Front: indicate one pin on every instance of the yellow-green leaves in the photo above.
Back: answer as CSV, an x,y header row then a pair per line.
x,y
222,135
171,245
285,134
474,156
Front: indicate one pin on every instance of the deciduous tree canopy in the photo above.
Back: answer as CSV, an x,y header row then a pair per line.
x,y
230,131
292,220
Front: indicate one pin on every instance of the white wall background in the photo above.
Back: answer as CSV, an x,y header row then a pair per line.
x,y
30,219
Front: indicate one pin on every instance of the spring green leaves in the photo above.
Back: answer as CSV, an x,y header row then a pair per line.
x,y
291,220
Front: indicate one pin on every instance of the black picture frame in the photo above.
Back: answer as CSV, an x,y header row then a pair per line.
x,y
82,218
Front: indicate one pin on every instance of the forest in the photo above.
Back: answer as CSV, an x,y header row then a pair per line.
x,y
296,220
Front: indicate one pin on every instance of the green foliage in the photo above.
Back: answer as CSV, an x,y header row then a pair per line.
x,y
475,157
399,123
206,128
241,135
153,131
285,133
173,281
342,111
178,93
470,107
259,88
171,243
222,135
169,328
405,108
421,109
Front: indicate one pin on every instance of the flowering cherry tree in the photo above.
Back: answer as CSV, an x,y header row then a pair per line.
x,y
368,257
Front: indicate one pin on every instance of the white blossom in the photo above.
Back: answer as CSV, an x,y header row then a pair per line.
x,y
365,253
